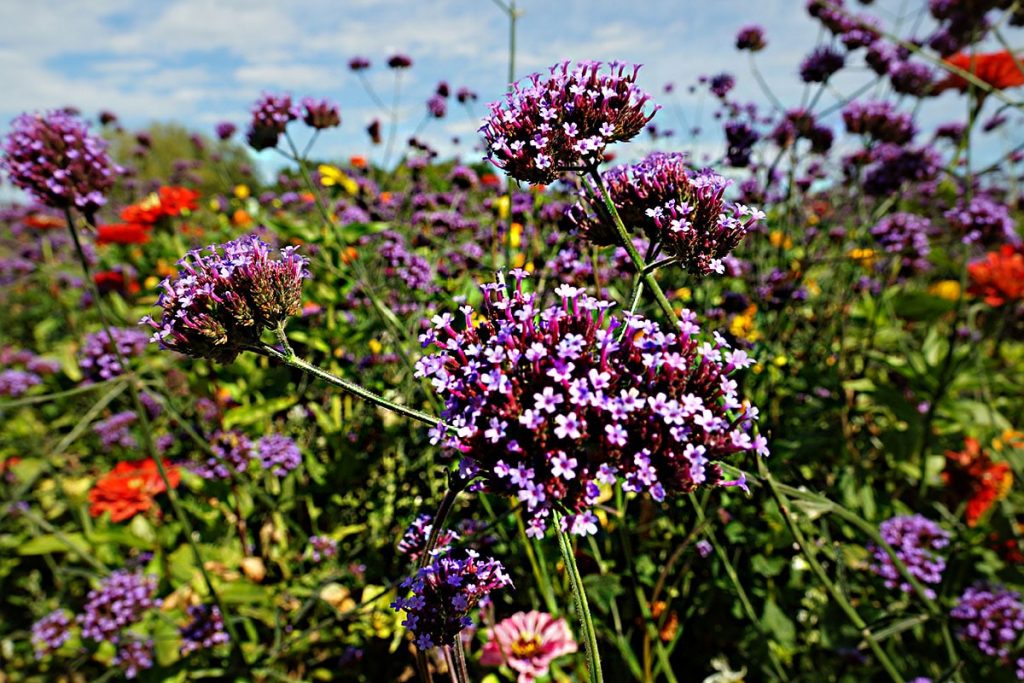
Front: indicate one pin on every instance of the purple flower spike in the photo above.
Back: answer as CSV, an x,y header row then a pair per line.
x,y
204,630
320,114
991,617
915,539
50,632
415,538
122,600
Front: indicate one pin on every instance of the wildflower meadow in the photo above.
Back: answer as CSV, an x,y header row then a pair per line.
x,y
575,398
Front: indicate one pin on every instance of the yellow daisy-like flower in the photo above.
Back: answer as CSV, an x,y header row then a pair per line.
x,y
332,175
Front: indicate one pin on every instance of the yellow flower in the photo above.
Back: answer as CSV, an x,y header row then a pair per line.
x,y
242,191
683,293
502,204
812,287
778,239
515,235
945,289
780,360
863,257
151,282
375,346
743,325
331,175
518,260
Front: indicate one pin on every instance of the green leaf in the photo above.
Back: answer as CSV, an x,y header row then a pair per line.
x,y
778,624
251,414
51,543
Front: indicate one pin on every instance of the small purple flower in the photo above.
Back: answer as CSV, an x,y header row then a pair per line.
x,y
116,430
278,453
134,655
322,548
821,64
991,617
721,84
98,357
905,235
915,540
703,547
53,157
464,95
121,600
982,220
545,126
399,61
444,592
225,129
437,106
204,630
740,140
50,632
911,78
232,453
878,120
358,64
270,116
751,38
415,538
226,295
14,382
320,114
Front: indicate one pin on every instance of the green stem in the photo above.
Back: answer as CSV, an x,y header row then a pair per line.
x,y
582,606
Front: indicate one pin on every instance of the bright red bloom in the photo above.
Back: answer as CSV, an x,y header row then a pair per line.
x,y
999,277
168,202
129,489
122,233
116,281
998,69
971,475
42,221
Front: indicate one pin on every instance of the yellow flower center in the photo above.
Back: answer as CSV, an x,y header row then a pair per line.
x,y
526,645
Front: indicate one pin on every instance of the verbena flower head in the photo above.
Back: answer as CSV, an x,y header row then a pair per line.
x,y
14,382
399,61
905,235
895,166
683,210
549,404
204,630
740,139
98,357
444,592
527,642
911,78
878,120
915,539
232,453
751,38
225,129
53,157
721,84
322,548
116,430
437,106
547,125
224,296
820,65
320,114
415,538
991,617
278,453
134,655
122,599
50,632
982,220
270,116
359,64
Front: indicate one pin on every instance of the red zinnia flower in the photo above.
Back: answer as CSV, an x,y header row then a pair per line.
x,y
174,200
116,281
42,221
122,233
999,277
970,474
168,202
998,69
129,489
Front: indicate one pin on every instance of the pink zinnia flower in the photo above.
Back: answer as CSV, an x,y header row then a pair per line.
x,y
528,642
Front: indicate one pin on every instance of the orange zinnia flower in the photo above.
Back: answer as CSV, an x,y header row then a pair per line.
x,y
129,489
999,277
970,474
998,69
42,221
174,200
122,233
167,202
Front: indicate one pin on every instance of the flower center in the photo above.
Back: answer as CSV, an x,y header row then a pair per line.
x,y
526,645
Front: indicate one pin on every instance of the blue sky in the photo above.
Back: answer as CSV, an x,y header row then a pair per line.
x,y
203,61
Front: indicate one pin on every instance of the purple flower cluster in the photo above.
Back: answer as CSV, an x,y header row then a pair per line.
x,y
878,120
319,114
905,235
751,38
911,78
15,382
821,64
683,211
116,430
721,84
225,129
204,630
992,617
740,139
982,220
50,632
278,453
437,106
414,540
547,405
443,593
122,599
232,453
225,296
134,655
322,547
399,61
270,116
98,356
564,121
894,166
915,540
53,157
